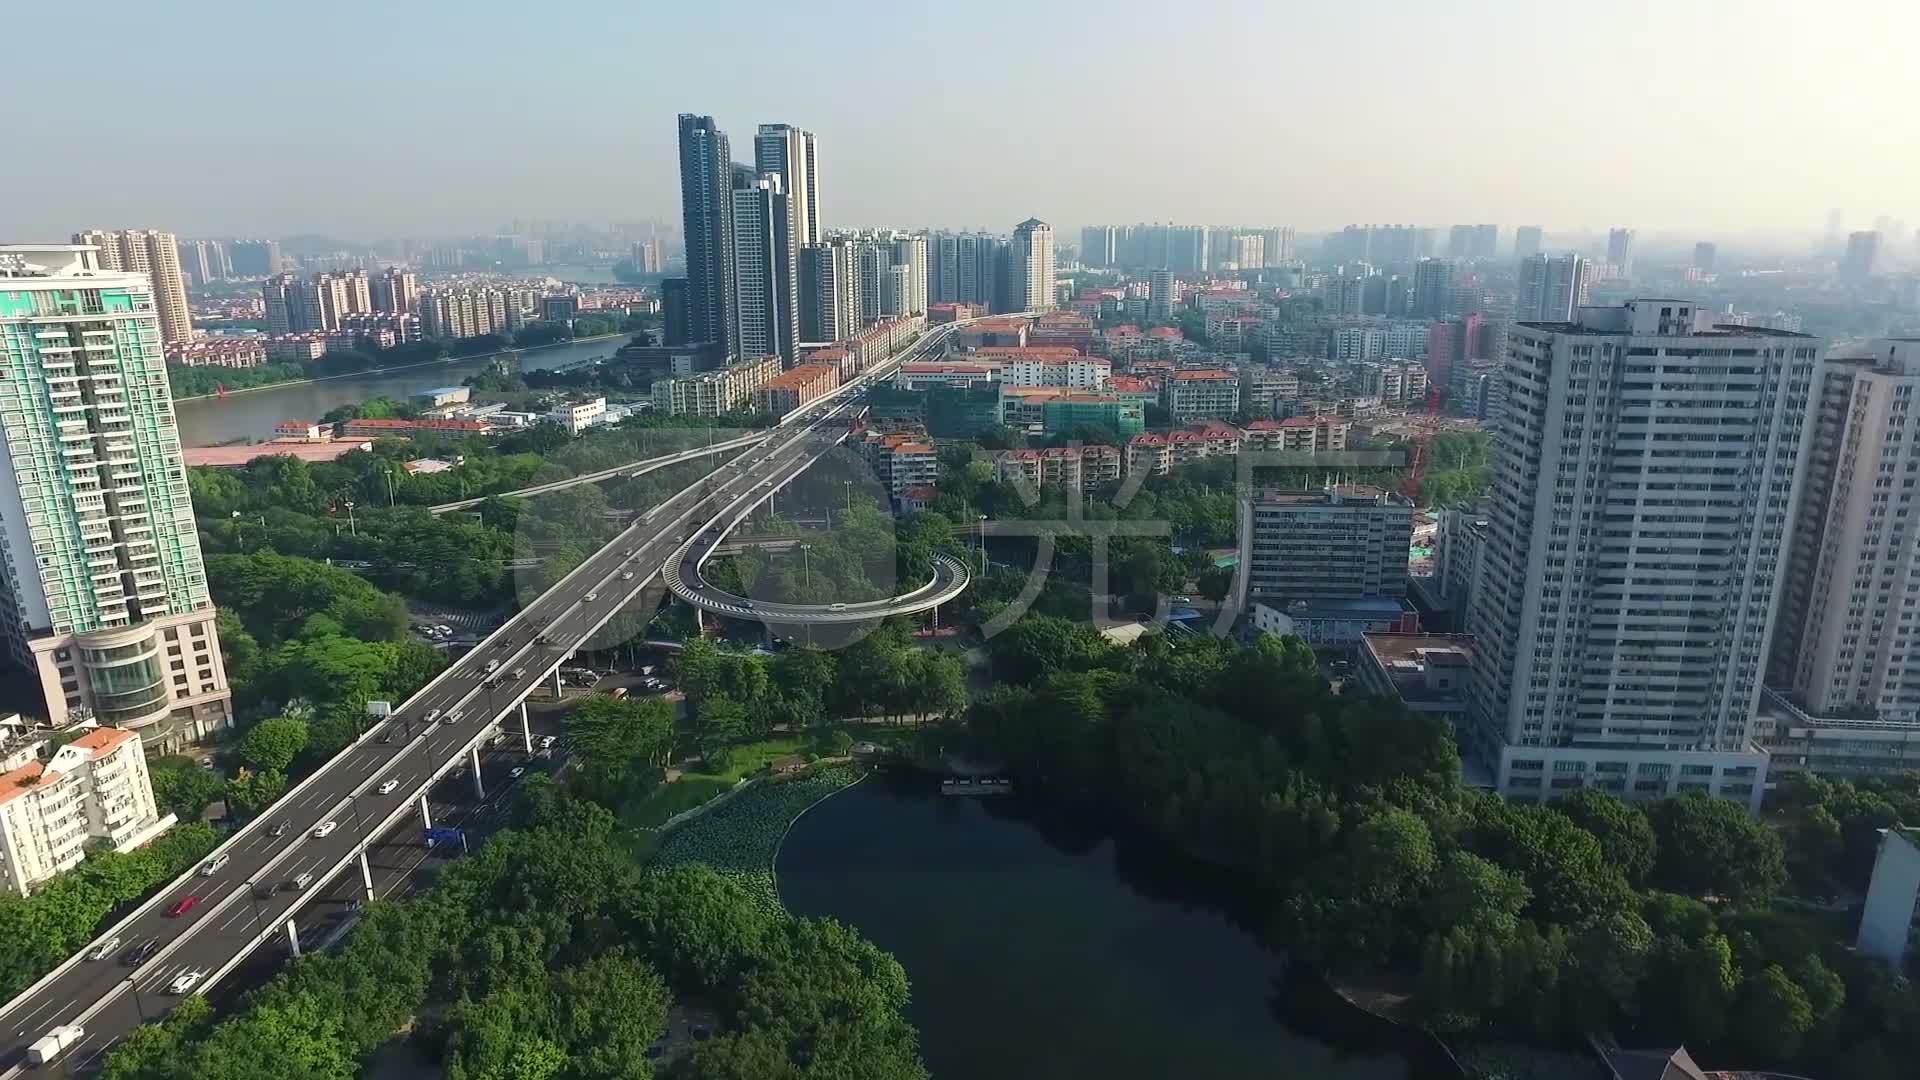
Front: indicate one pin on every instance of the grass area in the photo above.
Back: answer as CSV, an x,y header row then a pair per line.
x,y
689,791
749,758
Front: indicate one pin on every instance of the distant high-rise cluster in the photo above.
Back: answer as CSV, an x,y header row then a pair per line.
x,y
1473,241
1863,251
1552,288
157,255
1186,249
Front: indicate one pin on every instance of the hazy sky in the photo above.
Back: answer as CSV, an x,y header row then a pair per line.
x,y
383,117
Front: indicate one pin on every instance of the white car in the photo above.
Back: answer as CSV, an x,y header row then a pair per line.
x,y
213,865
387,788
326,829
628,576
104,949
591,597
517,771
184,982
546,742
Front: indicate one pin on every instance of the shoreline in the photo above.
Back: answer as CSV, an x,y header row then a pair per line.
x,y
401,367
773,863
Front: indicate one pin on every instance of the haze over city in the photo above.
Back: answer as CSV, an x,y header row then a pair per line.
x,y
445,117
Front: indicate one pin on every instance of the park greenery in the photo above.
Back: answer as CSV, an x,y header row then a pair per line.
x,y
1659,926
364,508
551,955
62,916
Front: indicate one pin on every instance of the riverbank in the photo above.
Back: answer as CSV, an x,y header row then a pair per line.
x,y
399,368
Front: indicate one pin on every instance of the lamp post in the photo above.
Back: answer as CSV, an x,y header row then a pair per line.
x,y
236,530
137,1007
983,545
388,474
351,526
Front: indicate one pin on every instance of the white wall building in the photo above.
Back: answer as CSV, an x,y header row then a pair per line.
x,y
1647,466
103,594
1081,373
577,416
1031,266
95,787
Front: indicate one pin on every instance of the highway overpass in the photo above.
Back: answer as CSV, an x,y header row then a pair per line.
x,y
437,731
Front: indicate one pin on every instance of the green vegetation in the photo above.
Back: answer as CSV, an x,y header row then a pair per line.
x,y
1832,828
186,382
1458,466
682,794
550,955
1346,812
740,838
454,560
39,931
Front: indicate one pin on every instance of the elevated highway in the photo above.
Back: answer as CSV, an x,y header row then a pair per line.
x,y
323,824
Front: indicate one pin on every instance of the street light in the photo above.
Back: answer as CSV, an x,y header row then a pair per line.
x,y
983,545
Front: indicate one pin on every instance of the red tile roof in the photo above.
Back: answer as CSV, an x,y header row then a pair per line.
x,y
102,740
1214,374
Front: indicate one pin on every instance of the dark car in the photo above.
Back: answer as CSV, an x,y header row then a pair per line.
x,y
141,953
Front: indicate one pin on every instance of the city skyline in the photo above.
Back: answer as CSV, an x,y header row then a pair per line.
x,y
1237,148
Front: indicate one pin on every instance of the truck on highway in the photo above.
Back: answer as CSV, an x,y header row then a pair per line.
x,y
48,1046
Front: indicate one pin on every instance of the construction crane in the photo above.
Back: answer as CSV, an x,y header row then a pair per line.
x,y
1424,425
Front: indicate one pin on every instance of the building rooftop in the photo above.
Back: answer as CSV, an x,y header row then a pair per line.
x,y
27,777
1211,374
1342,493
102,740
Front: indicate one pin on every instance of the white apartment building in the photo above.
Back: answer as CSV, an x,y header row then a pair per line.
x,y
1647,468
1848,640
1264,388
1031,265
578,416
103,595
938,373
1080,373
1394,381
1197,394
717,392
1082,467
95,787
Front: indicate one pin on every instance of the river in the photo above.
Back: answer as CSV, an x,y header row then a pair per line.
x,y
250,415
1040,950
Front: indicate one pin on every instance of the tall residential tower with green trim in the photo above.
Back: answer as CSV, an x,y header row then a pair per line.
x,y
103,595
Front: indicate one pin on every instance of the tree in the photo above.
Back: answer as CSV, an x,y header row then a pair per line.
x,y
182,787
1625,835
1711,846
1477,894
1775,1015
1040,645
1562,863
272,744
249,793
719,722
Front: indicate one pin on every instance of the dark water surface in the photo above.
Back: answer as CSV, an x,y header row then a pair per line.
x,y
1036,949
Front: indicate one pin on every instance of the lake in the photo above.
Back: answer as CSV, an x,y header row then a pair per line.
x,y
1037,949
250,415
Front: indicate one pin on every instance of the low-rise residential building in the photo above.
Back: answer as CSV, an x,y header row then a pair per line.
x,y
1009,332
227,352
94,788
1201,393
1265,390
1076,372
901,460
1394,381
297,347
793,390
1083,467
1311,434
717,392
1149,453
1132,388
578,415
1342,542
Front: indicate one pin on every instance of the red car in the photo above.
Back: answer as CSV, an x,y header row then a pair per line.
x,y
185,905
